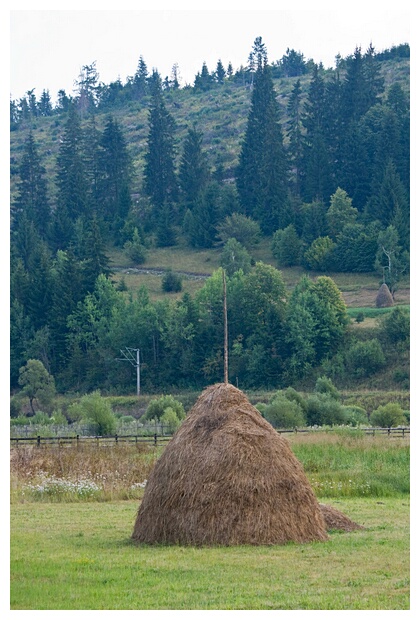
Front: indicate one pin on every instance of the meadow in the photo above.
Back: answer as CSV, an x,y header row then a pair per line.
x,y
71,545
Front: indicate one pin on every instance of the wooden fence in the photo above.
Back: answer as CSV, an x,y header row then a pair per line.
x,y
98,440
159,440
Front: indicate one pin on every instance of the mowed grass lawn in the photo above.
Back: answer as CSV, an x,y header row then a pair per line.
x,y
69,556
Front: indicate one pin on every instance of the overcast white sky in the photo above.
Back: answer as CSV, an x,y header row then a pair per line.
x,y
48,47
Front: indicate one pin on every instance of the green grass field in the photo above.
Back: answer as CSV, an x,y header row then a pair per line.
x,y
80,556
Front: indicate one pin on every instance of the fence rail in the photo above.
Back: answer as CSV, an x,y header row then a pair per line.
x,y
156,439
401,431
102,440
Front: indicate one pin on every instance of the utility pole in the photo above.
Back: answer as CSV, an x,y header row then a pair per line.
x,y
128,356
226,329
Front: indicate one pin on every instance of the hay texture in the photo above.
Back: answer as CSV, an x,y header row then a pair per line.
x,y
336,520
384,297
228,478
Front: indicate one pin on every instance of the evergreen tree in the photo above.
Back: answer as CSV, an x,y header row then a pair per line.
x,y
340,213
390,204
72,183
32,197
92,155
295,135
194,173
114,175
317,180
220,72
140,83
159,173
262,171
95,261
44,104
66,291
87,88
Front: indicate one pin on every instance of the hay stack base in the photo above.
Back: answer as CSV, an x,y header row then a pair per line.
x,y
336,520
228,478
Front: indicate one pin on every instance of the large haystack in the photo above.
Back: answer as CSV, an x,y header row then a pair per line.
x,y
228,478
384,297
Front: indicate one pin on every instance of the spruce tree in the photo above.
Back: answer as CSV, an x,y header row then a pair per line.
x,y
32,196
317,180
194,172
72,182
262,172
160,182
295,135
114,175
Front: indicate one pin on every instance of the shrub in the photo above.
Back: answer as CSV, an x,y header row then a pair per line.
x,y
41,418
365,358
284,413
171,282
240,227
261,407
96,410
291,394
355,416
157,407
324,410
324,385
15,406
126,419
395,326
170,419
387,416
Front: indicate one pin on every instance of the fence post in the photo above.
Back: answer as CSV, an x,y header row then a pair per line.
x,y
116,438
38,440
155,438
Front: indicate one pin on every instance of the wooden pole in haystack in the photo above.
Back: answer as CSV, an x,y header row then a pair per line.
x,y
226,328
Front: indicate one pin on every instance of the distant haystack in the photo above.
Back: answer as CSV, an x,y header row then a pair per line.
x,y
228,478
384,297
336,520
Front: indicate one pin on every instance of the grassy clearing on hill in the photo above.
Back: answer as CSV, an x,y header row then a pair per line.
x,y
80,556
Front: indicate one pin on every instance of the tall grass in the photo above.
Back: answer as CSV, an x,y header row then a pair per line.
x,y
83,473
351,464
336,464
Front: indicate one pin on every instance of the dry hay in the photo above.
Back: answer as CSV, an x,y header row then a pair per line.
x,y
384,297
228,478
336,520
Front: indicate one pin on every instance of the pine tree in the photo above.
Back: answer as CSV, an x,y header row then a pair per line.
x,y
262,172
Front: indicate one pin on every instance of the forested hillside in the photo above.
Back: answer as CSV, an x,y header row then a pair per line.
x,y
311,163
